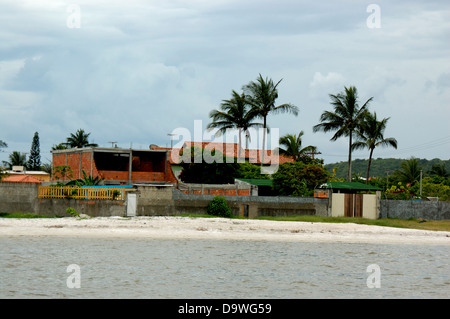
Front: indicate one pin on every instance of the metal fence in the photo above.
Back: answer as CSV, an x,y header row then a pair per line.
x,y
73,192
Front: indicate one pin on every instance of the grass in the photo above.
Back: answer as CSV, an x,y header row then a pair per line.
x,y
24,215
441,225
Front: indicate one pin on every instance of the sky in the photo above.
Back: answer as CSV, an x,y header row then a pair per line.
x,y
132,72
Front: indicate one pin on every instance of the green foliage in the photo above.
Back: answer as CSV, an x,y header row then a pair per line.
x,y
86,181
298,179
381,166
409,172
115,194
250,171
79,140
439,170
399,192
219,207
16,159
72,211
235,113
62,172
432,189
292,146
345,120
196,170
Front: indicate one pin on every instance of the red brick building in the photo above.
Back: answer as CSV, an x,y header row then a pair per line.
x,y
114,165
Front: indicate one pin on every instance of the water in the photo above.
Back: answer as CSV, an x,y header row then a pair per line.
x,y
36,267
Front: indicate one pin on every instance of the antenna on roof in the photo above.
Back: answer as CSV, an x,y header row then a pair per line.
x,y
112,143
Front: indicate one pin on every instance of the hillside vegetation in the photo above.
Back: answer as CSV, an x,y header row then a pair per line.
x,y
380,166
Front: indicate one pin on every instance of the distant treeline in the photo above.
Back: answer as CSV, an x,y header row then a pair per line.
x,y
381,166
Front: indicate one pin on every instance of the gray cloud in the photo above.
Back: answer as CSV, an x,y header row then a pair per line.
x,y
136,70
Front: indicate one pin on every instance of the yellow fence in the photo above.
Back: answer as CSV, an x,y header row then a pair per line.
x,y
70,192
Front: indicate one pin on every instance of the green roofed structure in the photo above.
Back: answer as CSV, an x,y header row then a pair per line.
x,y
257,182
349,186
350,199
259,187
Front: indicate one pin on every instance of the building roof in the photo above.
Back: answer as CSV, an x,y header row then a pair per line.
x,y
257,182
229,150
23,178
107,150
349,185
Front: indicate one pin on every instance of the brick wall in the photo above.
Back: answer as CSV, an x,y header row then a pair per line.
x,y
207,189
82,161
77,163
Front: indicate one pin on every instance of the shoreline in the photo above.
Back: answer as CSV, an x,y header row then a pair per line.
x,y
173,227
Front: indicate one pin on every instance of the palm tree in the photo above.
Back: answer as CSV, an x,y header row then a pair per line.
x,y
409,172
79,139
16,159
234,113
293,146
344,120
86,181
60,146
262,95
370,134
439,170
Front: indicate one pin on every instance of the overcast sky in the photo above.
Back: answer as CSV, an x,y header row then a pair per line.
x,y
134,71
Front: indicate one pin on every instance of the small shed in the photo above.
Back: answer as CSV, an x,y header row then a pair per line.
x,y
259,187
351,199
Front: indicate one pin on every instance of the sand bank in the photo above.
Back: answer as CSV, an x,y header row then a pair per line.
x,y
217,228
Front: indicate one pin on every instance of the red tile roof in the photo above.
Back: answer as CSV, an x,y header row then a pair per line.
x,y
230,150
21,179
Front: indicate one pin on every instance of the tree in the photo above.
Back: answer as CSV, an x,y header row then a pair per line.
x,y
370,134
250,171
62,172
292,146
79,140
409,173
34,161
262,94
298,179
439,170
345,119
235,113
60,146
16,159
195,171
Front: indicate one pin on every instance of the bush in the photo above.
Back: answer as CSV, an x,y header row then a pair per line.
x,y
219,207
72,211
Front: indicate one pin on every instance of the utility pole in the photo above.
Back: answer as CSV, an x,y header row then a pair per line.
x,y
420,192
387,179
313,152
171,139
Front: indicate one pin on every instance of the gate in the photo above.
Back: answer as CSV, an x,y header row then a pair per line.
x,y
131,204
353,205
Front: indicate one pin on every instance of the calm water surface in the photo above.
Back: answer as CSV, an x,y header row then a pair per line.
x,y
148,268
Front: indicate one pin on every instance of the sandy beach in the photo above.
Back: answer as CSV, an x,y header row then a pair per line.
x,y
218,229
